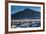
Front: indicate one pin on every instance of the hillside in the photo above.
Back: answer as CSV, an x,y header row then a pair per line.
x,y
26,14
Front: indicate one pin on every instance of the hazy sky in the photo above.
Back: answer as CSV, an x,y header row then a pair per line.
x,y
14,9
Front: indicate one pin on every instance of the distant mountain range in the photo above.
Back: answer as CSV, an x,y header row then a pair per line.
x,y
26,14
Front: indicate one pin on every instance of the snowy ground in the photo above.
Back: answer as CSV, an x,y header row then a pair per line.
x,y
25,23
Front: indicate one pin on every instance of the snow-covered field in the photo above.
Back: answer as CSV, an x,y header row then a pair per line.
x,y
25,23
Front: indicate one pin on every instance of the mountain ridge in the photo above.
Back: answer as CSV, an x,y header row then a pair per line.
x,y
26,14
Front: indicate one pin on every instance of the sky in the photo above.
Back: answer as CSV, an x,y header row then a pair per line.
x,y
15,9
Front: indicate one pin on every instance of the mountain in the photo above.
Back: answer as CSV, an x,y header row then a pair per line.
x,y
26,14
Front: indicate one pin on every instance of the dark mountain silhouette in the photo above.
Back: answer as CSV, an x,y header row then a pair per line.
x,y
26,14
